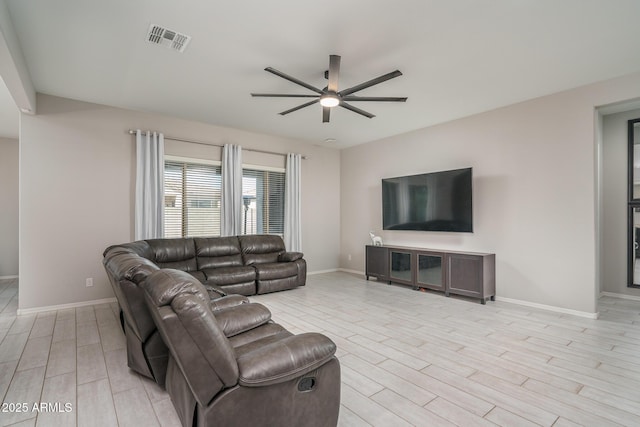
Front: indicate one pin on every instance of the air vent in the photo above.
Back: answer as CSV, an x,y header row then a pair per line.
x,y
168,38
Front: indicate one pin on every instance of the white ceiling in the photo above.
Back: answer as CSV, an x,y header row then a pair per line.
x,y
459,57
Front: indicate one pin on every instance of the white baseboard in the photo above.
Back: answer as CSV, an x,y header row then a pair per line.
x,y
621,296
346,270
334,270
34,310
549,307
313,273
8,277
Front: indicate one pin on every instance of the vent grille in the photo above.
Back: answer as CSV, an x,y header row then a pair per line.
x,y
168,38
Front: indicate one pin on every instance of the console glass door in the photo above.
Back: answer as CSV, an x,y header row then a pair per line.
x,y
634,237
401,266
430,270
633,191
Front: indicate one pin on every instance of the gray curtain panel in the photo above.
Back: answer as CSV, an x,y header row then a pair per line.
x,y
231,204
292,226
149,206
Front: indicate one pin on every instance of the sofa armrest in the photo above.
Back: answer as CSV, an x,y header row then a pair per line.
x,y
241,318
215,291
227,302
290,256
285,359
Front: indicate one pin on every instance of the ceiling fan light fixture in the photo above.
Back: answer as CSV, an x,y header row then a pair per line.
x,y
329,100
331,96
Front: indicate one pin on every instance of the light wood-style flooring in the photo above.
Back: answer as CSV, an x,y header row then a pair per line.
x,y
407,358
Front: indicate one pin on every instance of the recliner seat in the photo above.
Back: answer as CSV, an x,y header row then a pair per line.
x,y
276,269
253,378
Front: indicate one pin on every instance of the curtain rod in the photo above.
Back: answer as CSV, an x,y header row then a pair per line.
x,y
190,141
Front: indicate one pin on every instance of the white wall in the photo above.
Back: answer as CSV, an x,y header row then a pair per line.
x,y
534,191
76,185
9,149
614,198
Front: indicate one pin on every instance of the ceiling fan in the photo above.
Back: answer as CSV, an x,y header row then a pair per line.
x,y
330,96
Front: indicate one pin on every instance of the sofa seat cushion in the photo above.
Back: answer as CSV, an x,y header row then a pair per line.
x,y
246,289
229,275
276,270
276,285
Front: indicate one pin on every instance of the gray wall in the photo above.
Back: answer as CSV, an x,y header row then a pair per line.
x,y
77,179
614,203
535,188
9,150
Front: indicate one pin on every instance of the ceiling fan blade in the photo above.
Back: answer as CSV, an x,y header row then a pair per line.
x,y
326,112
374,98
300,107
283,95
356,110
293,79
334,72
370,83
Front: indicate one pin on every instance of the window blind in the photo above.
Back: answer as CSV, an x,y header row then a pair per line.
x,y
192,199
263,202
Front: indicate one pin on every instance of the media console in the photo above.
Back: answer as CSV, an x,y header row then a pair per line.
x,y
470,274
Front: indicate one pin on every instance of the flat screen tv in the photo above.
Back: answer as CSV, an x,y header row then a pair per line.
x,y
437,201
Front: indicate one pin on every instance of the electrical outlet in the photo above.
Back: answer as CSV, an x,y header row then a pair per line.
x,y
89,282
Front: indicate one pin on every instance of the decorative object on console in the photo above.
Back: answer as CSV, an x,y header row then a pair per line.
x,y
375,240
330,97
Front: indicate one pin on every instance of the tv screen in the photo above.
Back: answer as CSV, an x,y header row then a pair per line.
x,y
437,201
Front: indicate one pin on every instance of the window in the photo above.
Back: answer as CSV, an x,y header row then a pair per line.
x,y
192,199
192,195
201,203
263,201
169,200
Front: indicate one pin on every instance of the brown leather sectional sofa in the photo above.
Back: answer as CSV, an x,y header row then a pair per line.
x,y
245,265
230,365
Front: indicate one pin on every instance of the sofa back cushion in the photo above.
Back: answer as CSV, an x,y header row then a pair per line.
x,y
179,254
261,248
218,252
